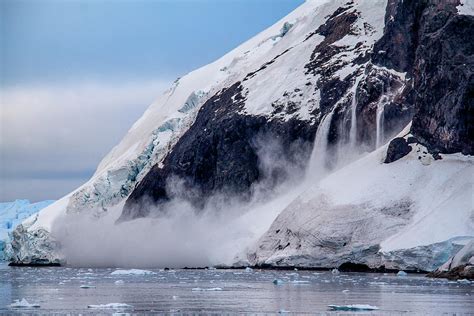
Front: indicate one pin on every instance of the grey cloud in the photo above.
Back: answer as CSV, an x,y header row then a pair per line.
x,y
58,134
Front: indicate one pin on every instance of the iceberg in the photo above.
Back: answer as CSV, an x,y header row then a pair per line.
x,y
23,303
111,306
132,272
353,308
198,289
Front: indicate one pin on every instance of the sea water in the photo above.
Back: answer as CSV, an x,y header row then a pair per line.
x,y
81,290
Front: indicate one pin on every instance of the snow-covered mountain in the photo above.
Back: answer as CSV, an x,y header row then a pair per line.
x,y
340,135
13,213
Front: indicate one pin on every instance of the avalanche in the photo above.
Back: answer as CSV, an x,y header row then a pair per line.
x,y
410,214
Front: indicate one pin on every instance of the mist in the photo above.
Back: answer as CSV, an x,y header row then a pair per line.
x,y
177,234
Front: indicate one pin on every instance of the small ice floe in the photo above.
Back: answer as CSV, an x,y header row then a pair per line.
x,y
464,281
120,314
119,282
23,303
278,282
335,271
345,291
353,308
110,306
199,289
248,269
299,282
86,286
211,268
282,311
402,274
175,297
132,272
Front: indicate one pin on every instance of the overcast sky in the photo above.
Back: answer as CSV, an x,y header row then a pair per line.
x,y
75,75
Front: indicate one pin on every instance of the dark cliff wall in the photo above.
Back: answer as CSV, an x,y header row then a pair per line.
x,y
220,154
435,46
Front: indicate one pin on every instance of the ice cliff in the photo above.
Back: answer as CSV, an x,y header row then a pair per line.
x,y
12,214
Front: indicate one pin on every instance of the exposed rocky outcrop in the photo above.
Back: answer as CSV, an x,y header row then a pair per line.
x,y
219,154
397,149
434,44
460,266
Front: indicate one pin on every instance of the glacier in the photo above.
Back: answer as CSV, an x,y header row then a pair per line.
x,y
14,213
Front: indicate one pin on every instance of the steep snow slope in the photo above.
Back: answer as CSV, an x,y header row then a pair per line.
x,y
13,213
409,214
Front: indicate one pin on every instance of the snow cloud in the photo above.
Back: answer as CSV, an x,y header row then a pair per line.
x,y
52,137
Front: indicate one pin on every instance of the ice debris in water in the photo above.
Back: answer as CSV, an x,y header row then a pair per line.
x,y
464,281
119,282
402,274
345,291
110,306
335,271
23,303
132,272
300,282
277,281
198,289
248,269
85,286
355,307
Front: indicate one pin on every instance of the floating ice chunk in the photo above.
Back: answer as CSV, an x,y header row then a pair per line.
x,y
132,272
23,303
355,307
85,286
248,269
402,274
198,289
278,282
282,311
300,282
335,271
111,306
464,281
119,282
345,291
120,314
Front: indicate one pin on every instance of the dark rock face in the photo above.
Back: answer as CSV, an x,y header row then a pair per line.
x,y
444,81
219,154
396,49
435,46
461,272
397,149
